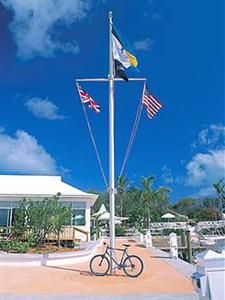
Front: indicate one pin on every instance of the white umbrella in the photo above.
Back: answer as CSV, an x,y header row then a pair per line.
x,y
105,216
168,216
118,222
101,211
121,218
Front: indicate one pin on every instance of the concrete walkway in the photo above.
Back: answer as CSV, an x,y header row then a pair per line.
x,y
178,264
108,297
158,281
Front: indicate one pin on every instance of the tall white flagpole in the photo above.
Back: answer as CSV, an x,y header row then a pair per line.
x,y
111,80
111,143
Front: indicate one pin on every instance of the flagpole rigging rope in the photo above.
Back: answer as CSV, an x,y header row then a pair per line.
x,y
132,137
95,147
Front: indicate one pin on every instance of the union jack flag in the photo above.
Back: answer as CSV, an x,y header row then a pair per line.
x,y
93,105
150,102
85,98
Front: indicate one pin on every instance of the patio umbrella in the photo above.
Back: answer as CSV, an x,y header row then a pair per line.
x,y
106,217
101,211
168,216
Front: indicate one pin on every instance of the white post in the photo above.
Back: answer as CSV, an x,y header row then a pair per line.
x,y
209,277
141,238
148,239
173,245
111,143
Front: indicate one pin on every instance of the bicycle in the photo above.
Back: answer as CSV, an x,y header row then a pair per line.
x,y
132,265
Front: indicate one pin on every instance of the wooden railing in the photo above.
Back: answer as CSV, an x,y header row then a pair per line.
x,y
69,233
4,232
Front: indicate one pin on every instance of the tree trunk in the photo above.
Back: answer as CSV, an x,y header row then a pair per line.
x,y
121,205
147,217
58,239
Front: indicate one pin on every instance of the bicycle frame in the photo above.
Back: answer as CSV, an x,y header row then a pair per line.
x,y
125,254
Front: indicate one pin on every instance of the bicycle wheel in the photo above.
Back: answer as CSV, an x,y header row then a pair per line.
x,y
99,265
133,266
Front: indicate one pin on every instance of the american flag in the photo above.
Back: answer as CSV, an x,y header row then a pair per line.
x,y
150,102
85,98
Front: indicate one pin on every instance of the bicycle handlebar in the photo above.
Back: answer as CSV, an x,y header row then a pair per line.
x,y
110,248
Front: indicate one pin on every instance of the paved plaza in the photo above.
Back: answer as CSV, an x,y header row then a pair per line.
x,y
159,281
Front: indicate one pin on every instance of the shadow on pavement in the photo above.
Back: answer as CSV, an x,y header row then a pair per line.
x,y
140,246
82,272
155,256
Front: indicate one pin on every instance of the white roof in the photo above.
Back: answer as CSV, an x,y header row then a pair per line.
x,y
32,185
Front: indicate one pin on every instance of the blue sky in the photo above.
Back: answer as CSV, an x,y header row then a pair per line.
x,y
46,45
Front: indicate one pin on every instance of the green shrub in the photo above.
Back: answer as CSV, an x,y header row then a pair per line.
x,y
13,246
143,230
3,245
120,231
35,220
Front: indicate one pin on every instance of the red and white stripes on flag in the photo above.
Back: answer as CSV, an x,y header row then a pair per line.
x,y
85,98
150,102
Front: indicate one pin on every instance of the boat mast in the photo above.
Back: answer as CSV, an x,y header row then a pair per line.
x,y
111,142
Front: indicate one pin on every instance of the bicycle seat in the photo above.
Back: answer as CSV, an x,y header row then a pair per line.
x,y
126,245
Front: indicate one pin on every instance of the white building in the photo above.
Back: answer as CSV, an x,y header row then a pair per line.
x,y
14,188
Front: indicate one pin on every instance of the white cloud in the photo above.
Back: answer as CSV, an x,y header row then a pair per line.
x,y
205,169
43,108
156,16
206,166
144,44
34,25
211,137
168,177
2,128
22,154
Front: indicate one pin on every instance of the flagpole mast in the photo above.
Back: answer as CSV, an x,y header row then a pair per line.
x,y
111,143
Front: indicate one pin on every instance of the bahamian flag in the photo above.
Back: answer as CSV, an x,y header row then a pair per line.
x,y
123,58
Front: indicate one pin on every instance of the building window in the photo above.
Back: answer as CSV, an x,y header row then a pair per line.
x,y
4,217
78,217
74,205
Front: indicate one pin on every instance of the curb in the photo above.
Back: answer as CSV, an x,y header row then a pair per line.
x,y
50,259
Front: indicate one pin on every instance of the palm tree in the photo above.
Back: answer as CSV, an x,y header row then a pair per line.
x,y
150,196
122,185
219,187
